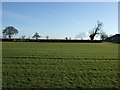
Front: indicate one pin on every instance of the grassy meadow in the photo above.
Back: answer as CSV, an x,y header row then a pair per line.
x,y
59,65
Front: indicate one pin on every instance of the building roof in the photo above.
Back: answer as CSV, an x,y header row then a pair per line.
x,y
114,38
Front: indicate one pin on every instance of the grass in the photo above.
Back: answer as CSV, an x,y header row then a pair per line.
x,y
60,65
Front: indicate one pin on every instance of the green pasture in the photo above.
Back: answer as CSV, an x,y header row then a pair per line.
x,y
59,65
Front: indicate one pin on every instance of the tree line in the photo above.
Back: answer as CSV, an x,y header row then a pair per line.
x,y
9,31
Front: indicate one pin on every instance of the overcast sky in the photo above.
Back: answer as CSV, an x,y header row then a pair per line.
x,y
59,19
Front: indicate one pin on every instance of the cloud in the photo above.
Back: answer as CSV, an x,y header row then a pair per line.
x,y
82,35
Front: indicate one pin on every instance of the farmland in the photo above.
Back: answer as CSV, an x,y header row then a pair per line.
x,y
59,65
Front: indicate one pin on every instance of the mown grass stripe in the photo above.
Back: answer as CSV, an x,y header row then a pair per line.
x,y
70,58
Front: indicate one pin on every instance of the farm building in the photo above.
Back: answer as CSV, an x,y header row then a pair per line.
x,y
114,38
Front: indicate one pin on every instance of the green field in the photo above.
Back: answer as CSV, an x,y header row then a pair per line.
x,y
59,65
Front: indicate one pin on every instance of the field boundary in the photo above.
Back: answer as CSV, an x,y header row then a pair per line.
x,y
50,40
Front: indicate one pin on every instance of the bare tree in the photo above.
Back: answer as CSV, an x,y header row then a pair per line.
x,y
9,31
36,35
103,36
95,31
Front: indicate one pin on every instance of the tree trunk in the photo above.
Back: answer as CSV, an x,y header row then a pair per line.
x,y
9,36
36,38
92,37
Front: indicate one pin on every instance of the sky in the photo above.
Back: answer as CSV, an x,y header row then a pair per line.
x,y
60,19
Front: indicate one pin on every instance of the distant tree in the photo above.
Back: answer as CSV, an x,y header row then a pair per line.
x,y
28,37
36,35
95,31
47,37
103,36
23,37
9,31
66,38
